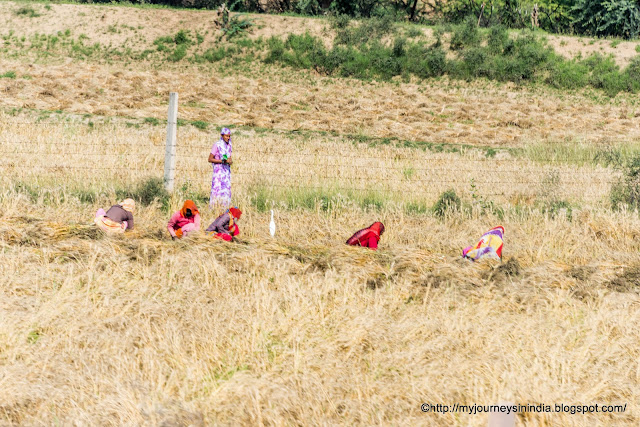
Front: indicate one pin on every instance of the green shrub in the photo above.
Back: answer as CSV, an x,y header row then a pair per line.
x,y
212,55
605,74
568,75
86,196
556,208
416,208
235,25
306,50
340,21
465,35
178,54
609,157
414,32
606,18
497,40
32,191
200,124
188,192
178,45
473,64
151,120
632,73
28,11
355,8
426,62
626,191
525,58
147,191
182,38
447,202
530,56
308,7
366,31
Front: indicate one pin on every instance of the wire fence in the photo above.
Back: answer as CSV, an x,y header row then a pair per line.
x,y
405,171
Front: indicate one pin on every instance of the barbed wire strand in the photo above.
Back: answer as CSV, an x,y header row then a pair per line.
x,y
407,168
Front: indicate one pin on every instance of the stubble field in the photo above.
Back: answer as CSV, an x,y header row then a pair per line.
x,y
300,329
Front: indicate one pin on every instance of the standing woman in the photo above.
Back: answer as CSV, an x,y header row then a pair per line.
x,y
220,156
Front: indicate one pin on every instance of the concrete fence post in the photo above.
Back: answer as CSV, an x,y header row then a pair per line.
x,y
170,151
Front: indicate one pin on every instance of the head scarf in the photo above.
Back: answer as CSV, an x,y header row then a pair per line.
x,y
235,212
128,205
189,204
225,131
377,228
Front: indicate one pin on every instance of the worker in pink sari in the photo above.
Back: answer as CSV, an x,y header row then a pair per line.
x,y
185,221
367,237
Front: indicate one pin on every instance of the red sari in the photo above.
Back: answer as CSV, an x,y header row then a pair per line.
x,y
367,237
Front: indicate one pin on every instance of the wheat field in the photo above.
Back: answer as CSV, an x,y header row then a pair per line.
x,y
300,329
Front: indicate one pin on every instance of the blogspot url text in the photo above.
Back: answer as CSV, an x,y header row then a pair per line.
x,y
473,409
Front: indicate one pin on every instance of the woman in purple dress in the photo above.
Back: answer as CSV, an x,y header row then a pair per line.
x,y
220,156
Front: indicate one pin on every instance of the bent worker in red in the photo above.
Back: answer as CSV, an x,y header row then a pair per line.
x,y
225,227
367,237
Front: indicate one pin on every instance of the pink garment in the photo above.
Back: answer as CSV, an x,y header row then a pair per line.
x,y
187,225
234,230
367,237
221,181
372,242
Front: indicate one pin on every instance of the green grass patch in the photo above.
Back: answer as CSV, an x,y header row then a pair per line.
x,y
200,124
326,199
151,121
27,11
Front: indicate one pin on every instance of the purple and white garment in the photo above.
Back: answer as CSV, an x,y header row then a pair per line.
x,y
221,182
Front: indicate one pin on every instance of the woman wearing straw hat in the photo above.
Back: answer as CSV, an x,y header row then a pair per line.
x,y
118,218
220,157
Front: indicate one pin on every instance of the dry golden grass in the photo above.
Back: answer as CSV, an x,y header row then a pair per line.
x,y
300,329
482,114
79,155
138,28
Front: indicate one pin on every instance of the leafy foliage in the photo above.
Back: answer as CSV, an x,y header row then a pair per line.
x,y
356,8
602,18
365,50
147,191
626,192
234,25
447,202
